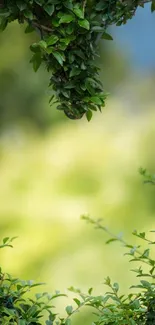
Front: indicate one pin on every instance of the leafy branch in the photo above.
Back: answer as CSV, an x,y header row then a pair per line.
x,y
136,254
70,32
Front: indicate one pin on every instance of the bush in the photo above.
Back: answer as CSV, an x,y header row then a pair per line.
x,y
69,32
111,308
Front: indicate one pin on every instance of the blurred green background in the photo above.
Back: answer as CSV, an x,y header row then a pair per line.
x,y
52,170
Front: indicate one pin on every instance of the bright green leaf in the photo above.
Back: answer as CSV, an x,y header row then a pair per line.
x,y
84,24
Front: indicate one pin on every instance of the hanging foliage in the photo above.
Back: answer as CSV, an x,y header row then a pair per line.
x,y
69,33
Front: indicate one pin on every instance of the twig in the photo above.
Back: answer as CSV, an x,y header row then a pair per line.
x,y
98,225
45,28
84,5
41,27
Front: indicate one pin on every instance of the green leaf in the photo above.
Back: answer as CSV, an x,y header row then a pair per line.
x,y
36,60
79,13
145,284
107,36
98,29
146,253
89,115
42,44
29,29
49,8
59,57
74,72
96,100
111,240
66,19
69,310
5,240
55,22
68,322
84,24
90,291
70,29
35,48
28,14
22,322
21,5
142,235
52,40
116,287
4,13
78,302
107,281
100,6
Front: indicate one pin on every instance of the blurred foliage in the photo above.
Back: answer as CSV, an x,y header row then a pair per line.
x,y
43,192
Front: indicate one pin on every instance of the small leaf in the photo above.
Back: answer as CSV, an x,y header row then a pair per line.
x,y
77,301
107,37
28,14
36,60
5,240
68,322
116,287
90,291
29,29
84,24
89,115
49,8
52,40
79,13
111,240
22,322
142,234
59,57
42,44
96,100
145,284
107,281
66,19
74,72
69,310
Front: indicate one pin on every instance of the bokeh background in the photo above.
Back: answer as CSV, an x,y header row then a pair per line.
x,y
52,169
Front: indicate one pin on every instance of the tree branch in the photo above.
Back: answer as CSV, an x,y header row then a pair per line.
x,y
46,29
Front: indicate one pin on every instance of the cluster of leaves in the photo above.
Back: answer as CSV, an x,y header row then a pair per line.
x,y
137,308
69,32
15,308
111,308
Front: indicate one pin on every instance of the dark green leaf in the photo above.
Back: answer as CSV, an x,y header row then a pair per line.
x,y
49,8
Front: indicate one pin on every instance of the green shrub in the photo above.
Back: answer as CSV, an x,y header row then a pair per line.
x,y
69,32
111,308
